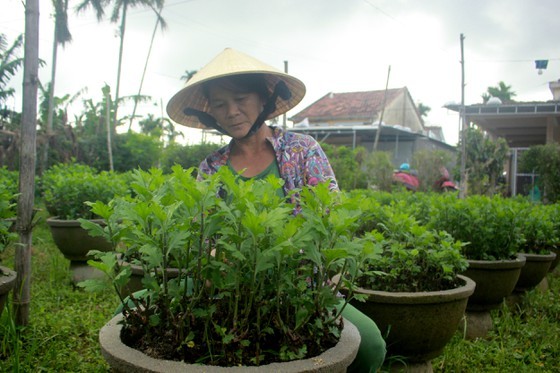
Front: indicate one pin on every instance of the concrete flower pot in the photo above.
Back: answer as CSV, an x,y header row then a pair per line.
x,y
534,270
125,359
74,243
495,280
7,282
417,325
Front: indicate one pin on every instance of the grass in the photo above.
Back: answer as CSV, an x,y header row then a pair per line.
x,y
65,321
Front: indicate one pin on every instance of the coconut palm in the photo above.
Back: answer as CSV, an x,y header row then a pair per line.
x,y
61,37
119,12
163,25
10,63
501,91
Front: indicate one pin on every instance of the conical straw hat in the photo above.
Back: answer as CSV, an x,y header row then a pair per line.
x,y
230,62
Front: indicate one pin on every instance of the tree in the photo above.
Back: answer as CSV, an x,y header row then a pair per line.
x,y
159,22
544,160
22,290
159,127
188,75
501,91
61,37
485,159
423,110
119,12
10,63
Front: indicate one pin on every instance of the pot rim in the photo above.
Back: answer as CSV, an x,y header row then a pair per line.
x,y
423,297
125,356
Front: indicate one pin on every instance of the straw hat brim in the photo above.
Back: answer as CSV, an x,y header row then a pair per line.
x,y
228,63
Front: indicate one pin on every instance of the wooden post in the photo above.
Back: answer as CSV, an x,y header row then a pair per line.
x,y
378,132
22,290
464,173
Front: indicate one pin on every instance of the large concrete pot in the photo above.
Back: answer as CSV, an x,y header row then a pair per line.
x,y
125,359
417,325
495,280
137,274
7,282
534,270
555,250
74,243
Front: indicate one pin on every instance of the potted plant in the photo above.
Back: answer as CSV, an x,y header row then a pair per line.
x,y
65,190
252,286
7,213
490,229
539,240
410,283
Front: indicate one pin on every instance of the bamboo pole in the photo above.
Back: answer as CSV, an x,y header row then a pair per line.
x,y
22,290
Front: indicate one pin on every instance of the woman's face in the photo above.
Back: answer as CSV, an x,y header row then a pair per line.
x,y
235,111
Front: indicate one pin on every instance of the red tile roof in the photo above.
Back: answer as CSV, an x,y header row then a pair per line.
x,y
349,105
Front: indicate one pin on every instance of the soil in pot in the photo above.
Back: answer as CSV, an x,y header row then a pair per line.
x,y
123,358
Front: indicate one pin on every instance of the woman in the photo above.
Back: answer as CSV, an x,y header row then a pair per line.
x,y
235,94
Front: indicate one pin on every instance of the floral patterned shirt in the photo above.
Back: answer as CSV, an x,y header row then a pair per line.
x,y
301,160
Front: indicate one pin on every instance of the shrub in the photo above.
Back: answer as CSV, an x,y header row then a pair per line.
x,y
66,188
253,284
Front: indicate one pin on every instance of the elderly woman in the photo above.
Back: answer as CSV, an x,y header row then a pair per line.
x,y
235,94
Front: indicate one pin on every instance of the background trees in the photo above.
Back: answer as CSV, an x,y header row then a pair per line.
x,y
501,91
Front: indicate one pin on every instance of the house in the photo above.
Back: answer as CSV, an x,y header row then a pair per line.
x,y
353,119
521,124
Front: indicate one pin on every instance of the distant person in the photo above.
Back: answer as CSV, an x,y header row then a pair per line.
x,y
235,94
404,177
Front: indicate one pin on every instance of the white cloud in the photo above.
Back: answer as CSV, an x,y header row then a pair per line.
x,y
332,45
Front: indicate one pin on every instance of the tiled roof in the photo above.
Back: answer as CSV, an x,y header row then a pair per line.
x,y
349,105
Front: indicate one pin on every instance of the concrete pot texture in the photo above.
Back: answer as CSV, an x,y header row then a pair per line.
x,y
495,280
135,282
122,358
555,250
534,271
7,283
73,241
417,326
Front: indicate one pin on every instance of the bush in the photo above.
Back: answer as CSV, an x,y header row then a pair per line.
x,y
66,188
544,160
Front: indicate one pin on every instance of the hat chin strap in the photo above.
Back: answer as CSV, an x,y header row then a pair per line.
x,y
280,90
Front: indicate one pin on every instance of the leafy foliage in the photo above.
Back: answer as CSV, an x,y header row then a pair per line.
x,y
545,161
378,170
490,225
186,156
428,164
66,188
405,255
7,213
253,284
347,165
485,161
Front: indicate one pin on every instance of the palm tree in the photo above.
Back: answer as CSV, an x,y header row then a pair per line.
x,y
119,12
501,91
61,37
423,110
10,63
188,75
159,22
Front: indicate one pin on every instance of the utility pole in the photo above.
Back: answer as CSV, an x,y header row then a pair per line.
x,y
284,126
377,133
464,176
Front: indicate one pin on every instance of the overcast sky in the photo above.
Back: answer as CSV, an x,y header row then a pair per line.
x,y
331,45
